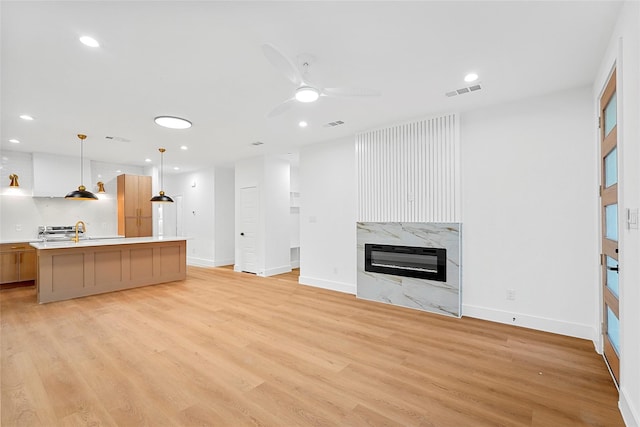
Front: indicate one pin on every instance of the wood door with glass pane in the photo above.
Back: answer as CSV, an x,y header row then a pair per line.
x,y
610,229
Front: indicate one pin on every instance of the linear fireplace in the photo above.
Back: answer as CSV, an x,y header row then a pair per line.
x,y
408,261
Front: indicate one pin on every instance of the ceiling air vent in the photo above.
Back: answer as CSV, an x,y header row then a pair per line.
x,y
257,143
334,124
463,90
117,138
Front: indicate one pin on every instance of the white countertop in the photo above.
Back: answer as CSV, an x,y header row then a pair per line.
x,y
36,240
102,242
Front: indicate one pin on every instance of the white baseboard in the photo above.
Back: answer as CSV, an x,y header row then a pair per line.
x,y
532,322
274,271
347,288
630,414
203,262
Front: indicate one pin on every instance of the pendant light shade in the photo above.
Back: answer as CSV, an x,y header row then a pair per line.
x,y
81,193
13,180
162,197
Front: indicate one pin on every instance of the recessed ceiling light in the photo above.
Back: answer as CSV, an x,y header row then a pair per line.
x,y
147,160
303,124
307,94
172,122
184,147
118,171
471,77
89,41
14,141
175,168
26,117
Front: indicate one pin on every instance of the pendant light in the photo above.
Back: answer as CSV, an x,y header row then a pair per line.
x,y
81,193
162,197
13,180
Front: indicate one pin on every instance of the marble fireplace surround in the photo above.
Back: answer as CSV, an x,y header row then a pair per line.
x,y
421,294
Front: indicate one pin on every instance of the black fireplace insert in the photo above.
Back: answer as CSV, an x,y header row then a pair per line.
x,y
408,261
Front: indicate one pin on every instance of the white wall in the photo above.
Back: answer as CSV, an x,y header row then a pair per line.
x,y
20,214
205,198
624,52
275,200
328,197
530,213
224,216
270,175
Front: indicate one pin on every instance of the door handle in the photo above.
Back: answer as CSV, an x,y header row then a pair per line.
x,y
612,268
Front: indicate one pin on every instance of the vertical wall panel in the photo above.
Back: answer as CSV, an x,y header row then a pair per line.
x,y
410,172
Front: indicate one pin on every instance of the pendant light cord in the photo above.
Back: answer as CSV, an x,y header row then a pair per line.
x,y
162,171
81,162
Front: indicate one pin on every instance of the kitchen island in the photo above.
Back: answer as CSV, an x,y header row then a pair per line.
x,y
66,269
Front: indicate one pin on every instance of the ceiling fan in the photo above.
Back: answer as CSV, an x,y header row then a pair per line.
x,y
305,90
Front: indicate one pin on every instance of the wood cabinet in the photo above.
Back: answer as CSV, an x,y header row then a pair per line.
x,y
77,271
134,206
17,262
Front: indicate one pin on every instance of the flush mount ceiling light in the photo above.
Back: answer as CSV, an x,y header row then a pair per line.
x,y
89,41
81,193
26,117
471,77
14,141
172,122
162,197
303,124
307,94
184,147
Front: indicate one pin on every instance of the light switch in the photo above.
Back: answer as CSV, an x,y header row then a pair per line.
x,y
632,218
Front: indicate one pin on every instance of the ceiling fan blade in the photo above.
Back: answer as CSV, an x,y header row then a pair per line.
x,y
281,108
350,91
282,63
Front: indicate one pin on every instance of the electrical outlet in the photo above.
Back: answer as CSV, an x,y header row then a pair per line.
x,y
511,294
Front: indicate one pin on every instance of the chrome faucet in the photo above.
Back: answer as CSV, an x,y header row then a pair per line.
x,y
84,230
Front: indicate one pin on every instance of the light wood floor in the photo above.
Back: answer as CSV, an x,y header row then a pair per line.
x,y
231,349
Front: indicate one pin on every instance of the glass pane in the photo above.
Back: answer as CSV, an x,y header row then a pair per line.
x,y
610,115
612,275
611,168
613,330
611,222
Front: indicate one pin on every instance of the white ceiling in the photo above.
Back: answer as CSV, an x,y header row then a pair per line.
x,y
203,61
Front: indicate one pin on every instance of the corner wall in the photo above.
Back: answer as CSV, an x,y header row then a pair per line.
x,y
270,176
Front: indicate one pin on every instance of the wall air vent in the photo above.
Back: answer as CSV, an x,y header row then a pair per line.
x,y
464,90
333,124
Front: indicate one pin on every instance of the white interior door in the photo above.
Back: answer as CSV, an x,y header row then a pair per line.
x,y
248,229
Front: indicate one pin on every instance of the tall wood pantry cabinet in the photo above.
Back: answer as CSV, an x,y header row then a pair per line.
x,y
134,206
